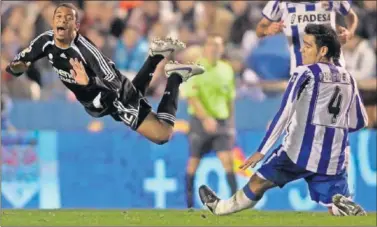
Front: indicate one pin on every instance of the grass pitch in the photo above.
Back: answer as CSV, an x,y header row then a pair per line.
x,y
175,217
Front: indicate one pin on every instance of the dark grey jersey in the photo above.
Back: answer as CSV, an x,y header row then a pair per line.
x,y
103,76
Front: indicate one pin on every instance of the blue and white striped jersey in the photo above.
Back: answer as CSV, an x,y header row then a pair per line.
x,y
321,105
296,15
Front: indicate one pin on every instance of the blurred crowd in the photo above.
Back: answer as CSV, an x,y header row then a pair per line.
x,y
123,30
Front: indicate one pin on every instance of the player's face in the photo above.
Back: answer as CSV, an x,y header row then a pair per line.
x,y
214,47
309,50
64,24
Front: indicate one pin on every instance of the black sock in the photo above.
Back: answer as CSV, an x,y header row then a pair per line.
x,y
169,103
231,178
144,76
189,189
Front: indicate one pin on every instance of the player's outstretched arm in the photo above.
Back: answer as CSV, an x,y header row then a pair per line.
x,y
29,55
351,19
271,23
267,28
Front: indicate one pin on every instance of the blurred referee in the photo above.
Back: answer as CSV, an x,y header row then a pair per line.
x,y
211,103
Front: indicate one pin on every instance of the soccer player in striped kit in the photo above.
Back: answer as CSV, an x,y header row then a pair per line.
x,y
291,17
320,107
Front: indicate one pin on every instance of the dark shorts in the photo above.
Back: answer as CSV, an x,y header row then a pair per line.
x,y
201,142
279,169
131,107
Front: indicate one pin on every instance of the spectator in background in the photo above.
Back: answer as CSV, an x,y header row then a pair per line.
x,y
255,16
6,106
211,106
187,13
108,22
145,16
157,30
360,58
368,21
215,20
131,50
242,23
361,63
187,34
24,88
43,21
10,42
104,41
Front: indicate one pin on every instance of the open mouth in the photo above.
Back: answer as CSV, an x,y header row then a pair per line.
x,y
60,30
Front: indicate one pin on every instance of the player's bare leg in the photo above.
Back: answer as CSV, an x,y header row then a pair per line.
x,y
192,166
243,199
158,128
159,49
226,158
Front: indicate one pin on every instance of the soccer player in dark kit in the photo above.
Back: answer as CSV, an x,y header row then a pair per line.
x,y
97,83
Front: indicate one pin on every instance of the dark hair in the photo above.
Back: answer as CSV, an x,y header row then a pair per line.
x,y
325,36
70,6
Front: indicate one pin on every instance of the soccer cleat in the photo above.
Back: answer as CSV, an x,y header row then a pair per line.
x,y
208,198
165,46
347,207
186,71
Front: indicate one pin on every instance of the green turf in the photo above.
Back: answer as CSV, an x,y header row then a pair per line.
x,y
174,217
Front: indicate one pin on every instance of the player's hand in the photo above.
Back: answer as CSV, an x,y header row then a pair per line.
x,y
252,161
344,35
19,66
210,125
275,28
78,72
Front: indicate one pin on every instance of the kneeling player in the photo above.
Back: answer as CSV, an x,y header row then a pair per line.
x,y
97,83
321,105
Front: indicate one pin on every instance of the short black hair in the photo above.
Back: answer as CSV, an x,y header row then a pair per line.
x,y
326,36
70,6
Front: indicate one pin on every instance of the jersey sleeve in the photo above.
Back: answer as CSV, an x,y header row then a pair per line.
x,y
272,11
292,94
33,52
342,7
358,117
105,75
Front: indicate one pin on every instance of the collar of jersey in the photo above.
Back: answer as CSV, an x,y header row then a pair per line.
x,y
206,64
72,43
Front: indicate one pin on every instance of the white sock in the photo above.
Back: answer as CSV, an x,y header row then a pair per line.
x,y
236,203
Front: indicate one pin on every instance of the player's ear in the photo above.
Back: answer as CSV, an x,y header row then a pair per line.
x,y
323,51
77,26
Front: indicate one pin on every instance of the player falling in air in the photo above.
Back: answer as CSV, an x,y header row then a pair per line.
x,y
320,106
97,83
